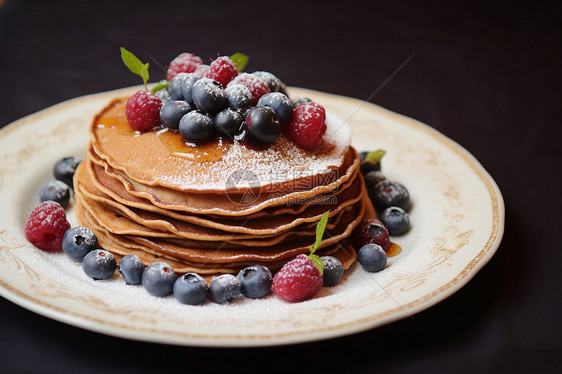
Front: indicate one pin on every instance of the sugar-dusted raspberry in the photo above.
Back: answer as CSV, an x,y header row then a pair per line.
x,y
256,85
46,226
184,63
223,70
307,126
298,280
201,70
143,111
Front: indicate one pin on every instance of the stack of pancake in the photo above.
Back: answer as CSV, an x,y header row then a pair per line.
x,y
219,207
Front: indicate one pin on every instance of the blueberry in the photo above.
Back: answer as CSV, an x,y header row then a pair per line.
x,y
390,193
78,241
363,155
172,112
197,127
238,96
181,85
225,288
131,268
271,80
396,220
300,101
371,161
333,271
281,105
208,95
190,289
163,93
263,124
56,191
99,264
228,123
255,281
158,279
372,257
64,169
371,231
372,178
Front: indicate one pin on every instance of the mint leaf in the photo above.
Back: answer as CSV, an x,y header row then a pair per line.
x,y
160,86
320,228
317,261
135,65
375,156
240,60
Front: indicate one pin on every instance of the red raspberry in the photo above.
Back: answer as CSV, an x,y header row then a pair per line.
x,y
184,63
201,70
298,280
257,86
307,126
143,111
46,226
371,231
223,70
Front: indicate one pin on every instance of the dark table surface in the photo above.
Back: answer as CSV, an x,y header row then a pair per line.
x,y
486,74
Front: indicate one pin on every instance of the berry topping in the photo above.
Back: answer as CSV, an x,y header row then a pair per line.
x,y
228,123
281,105
208,96
271,80
196,127
396,220
143,111
56,191
257,86
372,178
238,96
131,268
307,126
389,193
201,70
223,70
181,85
78,241
46,226
158,279
371,161
225,288
184,63
255,281
333,271
99,264
64,169
172,112
300,101
298,280
263,124
372,257
371,231
190,289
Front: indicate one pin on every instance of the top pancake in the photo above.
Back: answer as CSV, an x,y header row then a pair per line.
x,y
162,158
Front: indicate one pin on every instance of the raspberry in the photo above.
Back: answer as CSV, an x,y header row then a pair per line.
x,y
256,85
371,231
201,70
184,63
46,226
223,70
143,111
298,280
307,126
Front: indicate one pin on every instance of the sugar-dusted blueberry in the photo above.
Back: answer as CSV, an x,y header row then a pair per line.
x,y
372,178
64,169
396,220
255,281
78,241
190,289
263,124
228,123
238,96
208,96
271,80
333,271
300,101
197,127
225,288
172,112
131,268
158,279
163,93
99,264
390,193
371,161
372,257
371,231
180,83
281,105
56,191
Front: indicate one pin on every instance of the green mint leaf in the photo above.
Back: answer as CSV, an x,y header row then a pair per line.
x,y
320,228
240,60
160,86
317,262
135,65
375,156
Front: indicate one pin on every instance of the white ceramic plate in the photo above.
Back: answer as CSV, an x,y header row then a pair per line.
x,y
457,216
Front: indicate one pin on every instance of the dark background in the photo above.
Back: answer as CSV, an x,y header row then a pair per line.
x,y
486,74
